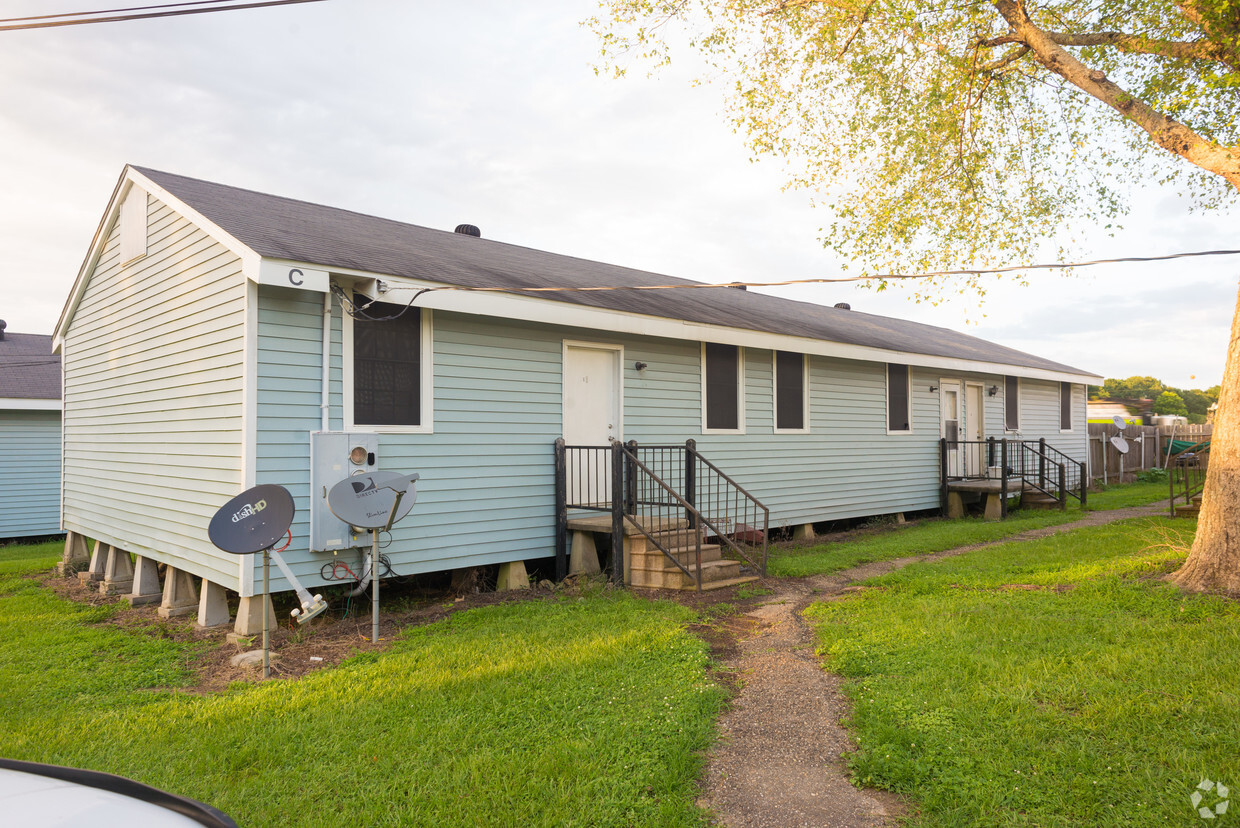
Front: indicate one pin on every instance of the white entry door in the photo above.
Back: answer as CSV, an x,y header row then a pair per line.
x,y
975,429
591,417
950,409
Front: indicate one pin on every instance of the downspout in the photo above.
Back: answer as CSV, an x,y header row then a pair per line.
x,y
325,402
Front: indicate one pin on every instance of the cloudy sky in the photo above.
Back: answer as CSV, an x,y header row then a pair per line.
x,y
489,113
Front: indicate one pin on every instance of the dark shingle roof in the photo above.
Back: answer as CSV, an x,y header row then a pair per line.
x,y
28,368
285,228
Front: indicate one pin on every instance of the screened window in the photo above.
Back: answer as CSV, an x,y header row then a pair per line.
x,y
898,416
789,391
387,366
1065,406
1011,403
722,386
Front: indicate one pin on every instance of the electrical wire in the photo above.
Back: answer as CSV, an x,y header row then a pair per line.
x,y
813,281
142,13
112,11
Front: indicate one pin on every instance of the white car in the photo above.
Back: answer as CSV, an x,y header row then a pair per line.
x,y
35,795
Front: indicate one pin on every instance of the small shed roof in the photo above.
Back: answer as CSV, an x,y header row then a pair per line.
x,y
28,368
274,227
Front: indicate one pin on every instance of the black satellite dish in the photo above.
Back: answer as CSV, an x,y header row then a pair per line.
x,y
253,520
366,500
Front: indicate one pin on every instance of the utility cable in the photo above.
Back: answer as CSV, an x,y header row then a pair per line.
x,y
81,18
981,271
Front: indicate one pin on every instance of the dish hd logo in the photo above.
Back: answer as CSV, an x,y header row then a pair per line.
x,y
250,510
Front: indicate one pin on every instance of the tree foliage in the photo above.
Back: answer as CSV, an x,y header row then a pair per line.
x,y
942,134
1169,402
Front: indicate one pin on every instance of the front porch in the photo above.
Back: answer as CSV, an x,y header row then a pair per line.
x,y
999,469
671,518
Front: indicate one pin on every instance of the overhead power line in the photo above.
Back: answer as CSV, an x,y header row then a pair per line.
x,y
981,271
47,21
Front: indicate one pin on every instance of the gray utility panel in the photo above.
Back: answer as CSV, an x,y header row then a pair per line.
x,y
335,455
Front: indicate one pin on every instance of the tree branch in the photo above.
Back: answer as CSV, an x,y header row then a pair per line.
x,y
1190,50
1167,132
1000,63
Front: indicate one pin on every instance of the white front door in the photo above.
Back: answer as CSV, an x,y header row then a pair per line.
x,y
975,429
949,408
591,417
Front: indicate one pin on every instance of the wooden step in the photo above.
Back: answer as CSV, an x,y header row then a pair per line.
x,y
672,578
653,557
1187,510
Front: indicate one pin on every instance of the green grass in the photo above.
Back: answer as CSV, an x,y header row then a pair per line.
x,y
939,534
1102,697
1123,495
589,710
934,535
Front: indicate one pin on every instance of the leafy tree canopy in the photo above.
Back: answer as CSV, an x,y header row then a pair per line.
x,y
941,134
1133,388
1169,402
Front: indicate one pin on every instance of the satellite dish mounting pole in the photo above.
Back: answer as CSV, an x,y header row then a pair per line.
x,y
266,613
374,565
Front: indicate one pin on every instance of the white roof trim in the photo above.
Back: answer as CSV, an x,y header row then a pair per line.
x,y
514,306
28,404
129,176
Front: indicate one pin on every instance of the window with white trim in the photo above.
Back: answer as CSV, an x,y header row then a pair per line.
x,y
389,367
791,394
1011,403
899,404
1065,406
722,386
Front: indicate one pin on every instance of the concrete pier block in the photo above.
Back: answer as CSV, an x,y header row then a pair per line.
x,y
803,532
76,556
250,615
180,596
955,505
98,561
117,573
583,559
512,575
212,605
145,589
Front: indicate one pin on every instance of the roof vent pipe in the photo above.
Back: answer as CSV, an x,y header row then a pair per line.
x,y
469,230
739,286
3,325
843,306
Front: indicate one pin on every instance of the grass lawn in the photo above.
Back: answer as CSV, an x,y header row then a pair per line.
x,y
938,534
1050,682
586,710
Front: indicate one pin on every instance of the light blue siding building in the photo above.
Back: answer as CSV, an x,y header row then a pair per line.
x,y
219,338
29,436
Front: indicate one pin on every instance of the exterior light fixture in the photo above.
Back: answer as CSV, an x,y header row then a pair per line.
x,y
640,366
994,389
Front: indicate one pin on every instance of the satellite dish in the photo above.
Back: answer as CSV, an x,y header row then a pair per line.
x,y
1121,445
366,500
1120,422
253,520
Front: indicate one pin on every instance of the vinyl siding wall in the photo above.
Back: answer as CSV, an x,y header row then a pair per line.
x,y
153,401
29,473
486,492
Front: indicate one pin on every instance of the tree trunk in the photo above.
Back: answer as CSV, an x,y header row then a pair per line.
x,y
1213,565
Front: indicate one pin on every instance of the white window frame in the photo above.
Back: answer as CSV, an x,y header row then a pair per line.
x,y
1059,414
1007,428
427,379
132,221
740,392
887,400
775,395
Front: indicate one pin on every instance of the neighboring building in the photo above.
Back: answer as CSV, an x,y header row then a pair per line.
x,y
1104,411
206,345
29,436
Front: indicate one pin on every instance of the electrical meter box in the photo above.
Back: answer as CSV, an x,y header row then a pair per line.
x,y
335,455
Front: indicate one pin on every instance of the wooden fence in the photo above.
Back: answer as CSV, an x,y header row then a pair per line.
x,y
1145,448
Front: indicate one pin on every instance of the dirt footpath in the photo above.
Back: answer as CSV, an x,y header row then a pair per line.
x,y
779,762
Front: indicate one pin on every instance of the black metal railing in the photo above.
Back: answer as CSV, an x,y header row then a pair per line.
x,y
1019,464
1186,474
669,493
